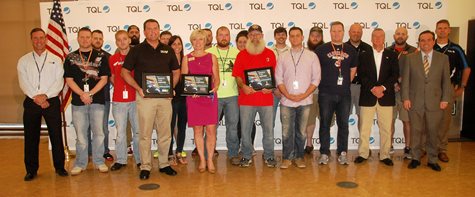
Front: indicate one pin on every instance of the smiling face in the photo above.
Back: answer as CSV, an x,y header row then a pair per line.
x,y
151,31
400,35
38,40
336,33
426,42
296,38
177,46
355,32
122,41
84,39
241,43
97,40
442,30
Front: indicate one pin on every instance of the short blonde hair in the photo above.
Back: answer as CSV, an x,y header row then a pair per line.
x,y
198,33
121,32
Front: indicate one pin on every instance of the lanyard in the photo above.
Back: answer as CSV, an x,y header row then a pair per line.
x,y
295,64
85,64
38,68
223,61
340,57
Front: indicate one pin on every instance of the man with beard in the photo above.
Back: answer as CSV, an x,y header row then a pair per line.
x,y
228,91
338,64
134,35
209,40
255,56
403,49
97,42
315,38
460,72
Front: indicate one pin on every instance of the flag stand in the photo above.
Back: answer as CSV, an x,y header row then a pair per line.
x,y
67,153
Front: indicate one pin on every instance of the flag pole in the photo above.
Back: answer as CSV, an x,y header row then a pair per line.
x,y
67,152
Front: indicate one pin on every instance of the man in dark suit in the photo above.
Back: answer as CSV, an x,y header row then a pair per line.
x,y
378,71
426,92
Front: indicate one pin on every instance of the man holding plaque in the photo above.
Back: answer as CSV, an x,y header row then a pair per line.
x,y
297,75
151,56
338,62
255,65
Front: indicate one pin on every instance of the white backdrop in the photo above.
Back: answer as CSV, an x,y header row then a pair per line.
x,y
181,17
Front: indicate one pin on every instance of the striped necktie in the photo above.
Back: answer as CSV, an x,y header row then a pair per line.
x,y
426,65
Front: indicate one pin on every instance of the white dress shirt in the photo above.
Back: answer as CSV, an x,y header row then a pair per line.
x,y
37,79
378,56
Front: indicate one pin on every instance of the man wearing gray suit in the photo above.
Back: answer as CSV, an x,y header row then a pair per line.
x,y
426,92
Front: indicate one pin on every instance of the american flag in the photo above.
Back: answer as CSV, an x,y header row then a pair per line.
x,y
57,44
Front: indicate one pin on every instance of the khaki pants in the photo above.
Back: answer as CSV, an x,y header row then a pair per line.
x,y
154,113
385,116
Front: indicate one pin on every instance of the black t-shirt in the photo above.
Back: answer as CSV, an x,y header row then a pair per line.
x,y
143,58
328,58
98,66
107,87
362,47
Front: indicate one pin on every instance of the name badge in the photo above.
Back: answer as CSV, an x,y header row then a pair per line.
x,y
224,83
125,94
295,85
339,81
86,88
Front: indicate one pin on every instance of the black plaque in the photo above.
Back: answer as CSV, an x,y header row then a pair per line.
x,y
157,85
196,84
260,78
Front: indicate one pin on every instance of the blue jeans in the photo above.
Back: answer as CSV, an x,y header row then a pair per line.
x,y
276,105
294,125
179,118
107,106
340,105
123,111
230,108
85,117
248,115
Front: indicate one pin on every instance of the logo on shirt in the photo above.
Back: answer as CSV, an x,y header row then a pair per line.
x,y
164,51
90,69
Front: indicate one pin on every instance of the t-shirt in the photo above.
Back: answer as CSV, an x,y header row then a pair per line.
x,y
457,59
362,47
143,58
115,63
107,87
226,58
97,66
246,61
328,60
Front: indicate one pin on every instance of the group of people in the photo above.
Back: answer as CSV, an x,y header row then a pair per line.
x,y
322,80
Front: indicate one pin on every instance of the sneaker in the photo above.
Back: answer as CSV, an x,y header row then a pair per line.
x,y
323,159
103,168
391,151
235,161
108,156
155,154
130,152
271,162
285,164
76,171
407,153
300,163
342,159
244,163
181,158
308,149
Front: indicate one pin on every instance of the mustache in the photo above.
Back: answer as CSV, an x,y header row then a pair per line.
x,y
255,48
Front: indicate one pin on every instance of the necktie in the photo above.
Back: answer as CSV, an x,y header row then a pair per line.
x,y
426,64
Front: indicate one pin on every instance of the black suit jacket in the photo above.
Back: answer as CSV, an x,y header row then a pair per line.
x,y
388,75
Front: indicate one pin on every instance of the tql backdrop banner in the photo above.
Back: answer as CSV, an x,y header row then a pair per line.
x,y
182,17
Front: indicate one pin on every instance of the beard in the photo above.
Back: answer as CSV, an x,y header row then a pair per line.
x,y
223,43
400,41
255,49
312,46
134,40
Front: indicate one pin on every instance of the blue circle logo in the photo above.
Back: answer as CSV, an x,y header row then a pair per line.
x,y
396,5
111,123
187,7
87,26
107,47
126,27
438,4
416,25
270,44
290,24
270,6
146,8
70,48
352,121
228,6
66,10
332,140
167,27
188,46
248,24
374,24
371,140
106,9
312,5
354,5
208,26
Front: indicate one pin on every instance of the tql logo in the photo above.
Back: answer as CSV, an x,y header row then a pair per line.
x,y
199,26
239,26
137,9
429,5
387,6
178,8
219,7
409,25
303,6
260,6
345,6
98,10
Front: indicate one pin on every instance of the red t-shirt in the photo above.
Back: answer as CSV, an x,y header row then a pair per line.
x,y
246,61
115,63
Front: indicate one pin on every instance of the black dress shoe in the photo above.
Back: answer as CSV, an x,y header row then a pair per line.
x,y
434,166
360,159
29,176
414,164
387,162
144,174
117,166
62,172
168,170
138,165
